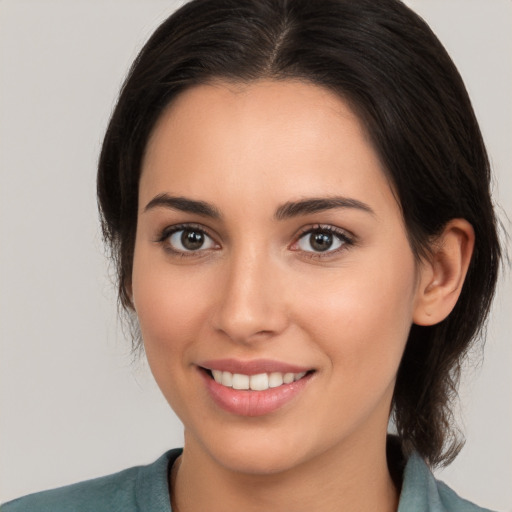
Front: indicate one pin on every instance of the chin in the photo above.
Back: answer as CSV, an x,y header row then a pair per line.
x,y
261,451
258,461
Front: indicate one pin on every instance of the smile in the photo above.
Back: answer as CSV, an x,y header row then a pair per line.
x,y
253,388
258,382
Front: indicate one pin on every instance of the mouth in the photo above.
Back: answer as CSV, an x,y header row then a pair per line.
x,y
255,388
256,382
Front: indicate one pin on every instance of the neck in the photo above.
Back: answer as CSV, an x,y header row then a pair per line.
x,y
354,478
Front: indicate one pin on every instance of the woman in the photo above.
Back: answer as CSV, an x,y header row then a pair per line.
x,y
296,195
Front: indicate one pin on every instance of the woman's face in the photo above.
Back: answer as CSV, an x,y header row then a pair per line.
x,y
270,248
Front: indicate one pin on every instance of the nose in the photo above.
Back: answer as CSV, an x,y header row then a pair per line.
x,y
251,300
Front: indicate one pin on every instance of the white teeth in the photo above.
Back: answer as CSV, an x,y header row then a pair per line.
x,y
227,379
288,378
259,382
275,380
240,381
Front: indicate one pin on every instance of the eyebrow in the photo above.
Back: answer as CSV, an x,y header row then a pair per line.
x,y
286,211
183,204
314,205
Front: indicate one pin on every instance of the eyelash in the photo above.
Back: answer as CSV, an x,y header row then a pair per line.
x,y
163,239
347,239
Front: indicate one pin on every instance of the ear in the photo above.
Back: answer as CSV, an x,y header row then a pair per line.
x,y
442,275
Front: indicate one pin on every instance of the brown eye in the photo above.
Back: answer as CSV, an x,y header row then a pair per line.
x,y
191,239
321,240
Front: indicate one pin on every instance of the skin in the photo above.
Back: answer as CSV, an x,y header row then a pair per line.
x,y
257,289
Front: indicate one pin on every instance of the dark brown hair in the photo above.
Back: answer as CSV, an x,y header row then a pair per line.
x,y
386,62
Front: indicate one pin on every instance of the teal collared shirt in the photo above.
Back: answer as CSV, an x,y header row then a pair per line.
x,y
145,489
421,492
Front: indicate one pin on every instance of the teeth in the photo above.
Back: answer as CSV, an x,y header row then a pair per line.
x,y
259,382
227,379
275,380
240,381
288,378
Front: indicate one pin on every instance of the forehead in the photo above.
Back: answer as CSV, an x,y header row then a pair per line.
x,y
263,138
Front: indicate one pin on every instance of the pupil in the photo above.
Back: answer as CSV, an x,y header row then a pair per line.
x,y
321,241
192,240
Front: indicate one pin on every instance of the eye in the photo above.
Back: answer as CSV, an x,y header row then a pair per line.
x,y
187,239
322,240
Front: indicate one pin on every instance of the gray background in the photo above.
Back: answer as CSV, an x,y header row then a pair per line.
x,y
72,403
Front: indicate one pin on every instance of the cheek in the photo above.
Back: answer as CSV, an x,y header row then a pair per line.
x,y
168,304
362,316
172,314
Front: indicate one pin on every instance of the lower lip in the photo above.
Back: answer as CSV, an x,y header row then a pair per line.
x,y
253,403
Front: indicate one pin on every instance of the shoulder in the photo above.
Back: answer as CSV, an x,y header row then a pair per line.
x,y
98,494
421,492
133,489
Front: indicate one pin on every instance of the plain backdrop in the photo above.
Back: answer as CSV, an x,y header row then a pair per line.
x,y
73,405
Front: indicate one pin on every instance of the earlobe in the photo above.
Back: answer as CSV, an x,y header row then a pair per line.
x,y
442,276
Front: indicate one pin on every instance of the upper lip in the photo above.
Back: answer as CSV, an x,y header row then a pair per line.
x,y
252,367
